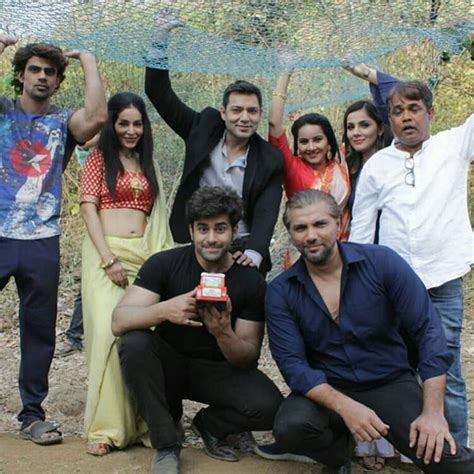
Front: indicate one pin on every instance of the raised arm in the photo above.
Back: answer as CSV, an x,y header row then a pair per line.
x,y
86,122
277,106
158,88
380,85
172,110
363,71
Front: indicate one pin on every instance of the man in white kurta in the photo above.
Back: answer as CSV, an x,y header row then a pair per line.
x,y
419,184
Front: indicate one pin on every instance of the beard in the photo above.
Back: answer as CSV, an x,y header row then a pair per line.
x,y
319,258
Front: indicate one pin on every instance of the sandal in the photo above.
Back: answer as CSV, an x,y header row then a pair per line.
x,y
373,463
98,449
35,432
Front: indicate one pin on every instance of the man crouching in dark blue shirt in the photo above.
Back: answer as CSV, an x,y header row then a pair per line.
x,y
334,322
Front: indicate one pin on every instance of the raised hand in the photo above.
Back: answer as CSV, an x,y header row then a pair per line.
x,y
73,54
165,22
7,40
287,59
80,55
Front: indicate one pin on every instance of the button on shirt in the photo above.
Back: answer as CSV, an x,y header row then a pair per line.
x,y
428,223
379,293
224,174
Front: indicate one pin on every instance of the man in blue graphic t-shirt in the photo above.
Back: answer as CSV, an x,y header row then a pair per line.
x,y
35,140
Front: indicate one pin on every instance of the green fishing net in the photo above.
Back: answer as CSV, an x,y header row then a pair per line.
x,y
244,38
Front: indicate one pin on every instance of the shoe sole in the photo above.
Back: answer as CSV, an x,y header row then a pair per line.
x,y
197,433
285,457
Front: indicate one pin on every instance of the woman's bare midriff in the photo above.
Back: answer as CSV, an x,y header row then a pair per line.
x,y
124,223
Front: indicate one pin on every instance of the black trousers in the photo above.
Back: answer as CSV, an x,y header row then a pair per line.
x,y
35,266
159,378
304,427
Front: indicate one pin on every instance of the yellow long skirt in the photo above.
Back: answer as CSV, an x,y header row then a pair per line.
x,y
110,415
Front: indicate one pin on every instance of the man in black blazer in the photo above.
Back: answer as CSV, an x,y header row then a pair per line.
x,y
223,149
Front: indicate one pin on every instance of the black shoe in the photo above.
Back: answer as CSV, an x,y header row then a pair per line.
x,y
166,461
275,452
344,469
243,442
214,447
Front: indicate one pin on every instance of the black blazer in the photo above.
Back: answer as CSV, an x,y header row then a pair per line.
x,y
201,132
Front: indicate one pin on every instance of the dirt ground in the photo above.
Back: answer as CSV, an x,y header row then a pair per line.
x,y
66,401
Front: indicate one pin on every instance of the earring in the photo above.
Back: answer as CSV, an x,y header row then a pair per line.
x,y
329,156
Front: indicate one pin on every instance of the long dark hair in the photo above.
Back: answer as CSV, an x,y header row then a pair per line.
x,y
110,146
323,122
354,158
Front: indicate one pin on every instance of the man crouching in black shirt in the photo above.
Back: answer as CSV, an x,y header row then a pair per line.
x,y
204,354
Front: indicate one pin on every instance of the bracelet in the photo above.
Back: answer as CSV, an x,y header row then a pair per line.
x,y
104,266
279,94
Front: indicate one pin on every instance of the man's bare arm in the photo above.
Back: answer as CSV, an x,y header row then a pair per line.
x,y
86,122
142,309
363,71
241,345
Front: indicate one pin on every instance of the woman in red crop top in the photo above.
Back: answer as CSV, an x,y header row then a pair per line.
x,y
126,221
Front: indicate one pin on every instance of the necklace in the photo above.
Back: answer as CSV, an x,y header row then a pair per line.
x,y
136,186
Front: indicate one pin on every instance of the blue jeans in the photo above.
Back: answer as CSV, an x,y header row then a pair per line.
x,y
448,299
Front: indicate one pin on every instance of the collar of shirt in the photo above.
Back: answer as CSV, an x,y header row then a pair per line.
x,y
349,255
405,153
428,223
379,292
299,272
240,162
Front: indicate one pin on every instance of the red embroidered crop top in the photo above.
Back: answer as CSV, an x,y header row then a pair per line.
x,y
131,191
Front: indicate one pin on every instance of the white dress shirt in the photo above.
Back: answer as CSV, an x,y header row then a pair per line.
x,y
428,223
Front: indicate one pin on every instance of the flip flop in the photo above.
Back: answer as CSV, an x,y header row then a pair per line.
x,y
373,463
37,429
98,449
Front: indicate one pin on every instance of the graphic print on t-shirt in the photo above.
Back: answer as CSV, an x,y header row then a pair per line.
x,y
31,155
